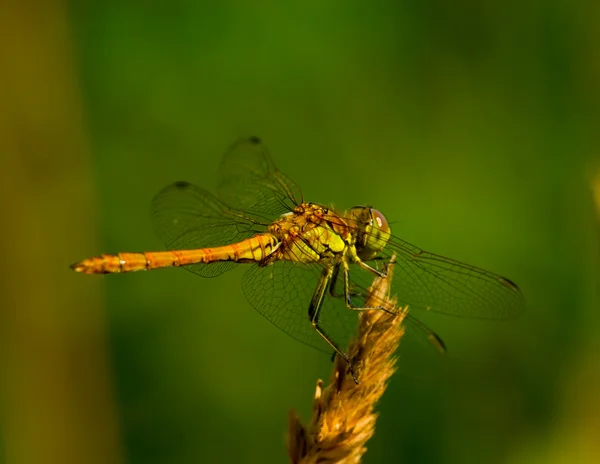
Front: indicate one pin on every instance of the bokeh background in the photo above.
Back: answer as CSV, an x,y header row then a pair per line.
x,y
472,125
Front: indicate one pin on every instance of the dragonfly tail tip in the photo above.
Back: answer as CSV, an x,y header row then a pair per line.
x,y
78,266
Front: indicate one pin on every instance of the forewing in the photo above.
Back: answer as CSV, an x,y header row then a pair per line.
x,y
188,217
249,181
433,282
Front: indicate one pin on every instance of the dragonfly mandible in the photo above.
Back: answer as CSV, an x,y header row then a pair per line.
x,y
309,266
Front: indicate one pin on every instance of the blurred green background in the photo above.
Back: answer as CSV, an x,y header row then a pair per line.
x,y
471,125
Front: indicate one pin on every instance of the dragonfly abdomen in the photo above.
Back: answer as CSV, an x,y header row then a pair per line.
x,y
255,249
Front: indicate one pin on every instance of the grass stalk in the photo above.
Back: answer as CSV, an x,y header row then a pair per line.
x,y
343,413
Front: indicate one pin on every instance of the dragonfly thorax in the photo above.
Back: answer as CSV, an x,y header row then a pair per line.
x,y
372,231
311,233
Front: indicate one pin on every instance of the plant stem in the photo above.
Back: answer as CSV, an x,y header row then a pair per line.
x,y
343,413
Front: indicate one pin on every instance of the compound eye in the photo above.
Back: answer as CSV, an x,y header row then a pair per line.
x,y
376,235
379,221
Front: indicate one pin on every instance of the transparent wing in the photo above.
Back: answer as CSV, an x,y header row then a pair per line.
x,y
188,217
433,282
249,181
253,193
282,293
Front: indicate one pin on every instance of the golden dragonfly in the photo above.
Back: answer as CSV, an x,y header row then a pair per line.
x,y
309,266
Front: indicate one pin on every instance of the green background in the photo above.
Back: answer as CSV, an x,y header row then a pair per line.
x,y
471,125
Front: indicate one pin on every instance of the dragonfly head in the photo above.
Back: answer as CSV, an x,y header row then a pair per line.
x,y
372,231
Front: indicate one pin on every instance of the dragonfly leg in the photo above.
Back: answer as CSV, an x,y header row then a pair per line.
x,y
333,281
332,284
348,296
314,311
371,269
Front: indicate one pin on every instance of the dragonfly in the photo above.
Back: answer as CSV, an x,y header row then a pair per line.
x,y
309,267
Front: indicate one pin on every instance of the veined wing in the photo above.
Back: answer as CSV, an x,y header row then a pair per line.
x,y
187,217
282,293
434,282
250,181
252,194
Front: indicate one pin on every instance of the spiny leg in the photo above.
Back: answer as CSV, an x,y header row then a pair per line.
x,y
377,272
333,283
314,312
348,293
